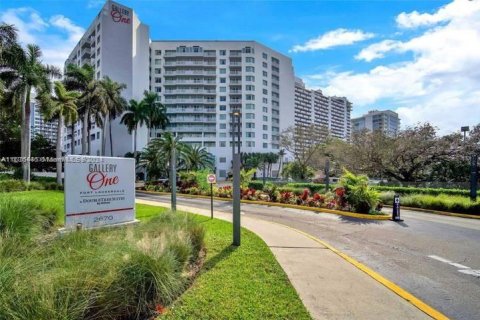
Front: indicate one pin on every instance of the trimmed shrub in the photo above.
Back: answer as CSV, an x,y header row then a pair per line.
x,y
355,190
429,191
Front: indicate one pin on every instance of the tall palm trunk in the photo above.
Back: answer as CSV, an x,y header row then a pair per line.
x,y
58,151
72,147
110,136
85,121
104,136
25,136
135,144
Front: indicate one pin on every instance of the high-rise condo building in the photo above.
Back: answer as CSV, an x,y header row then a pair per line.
x,y
386,121
201,83
38,125
313,107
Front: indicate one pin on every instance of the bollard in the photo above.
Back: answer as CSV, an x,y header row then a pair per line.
x,y
396,209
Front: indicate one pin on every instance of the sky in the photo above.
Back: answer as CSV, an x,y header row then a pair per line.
x,y
418,58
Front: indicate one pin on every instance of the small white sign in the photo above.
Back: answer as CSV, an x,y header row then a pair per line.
x,y
211,178
99,191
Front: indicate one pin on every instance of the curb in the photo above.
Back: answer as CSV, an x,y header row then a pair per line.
x,y
284,205
443,213
422,306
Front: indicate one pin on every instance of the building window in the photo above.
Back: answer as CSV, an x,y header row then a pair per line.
x,y
158,70
222,173
265,100
250,78
265,118
265,145
223,144
223,117
98,135
251,144
265,91
223,126
158,61
265,136
250,88
265,82
223,98
223,52
223,80
223,89
250,59
158,52
265,73
222,135
92,137
98,39
222,160
98,75
265,65
223,71
250,106
265,127
223,108
158,89
264,55
250,97
250,116
98,27
250,134
249,69
248,50
250,125
158,80
98,63
265,109
223,61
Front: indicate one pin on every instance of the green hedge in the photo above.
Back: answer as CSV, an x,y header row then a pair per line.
x,y
441,202
428,191
13,185
293,186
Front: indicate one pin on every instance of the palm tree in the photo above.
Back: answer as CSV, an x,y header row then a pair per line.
x,y
115,104
134,116
156,112
22,71
162,149
90,102
198,158
62,107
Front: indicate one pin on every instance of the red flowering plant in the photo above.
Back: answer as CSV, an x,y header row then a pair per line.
x,y
318,197
286,196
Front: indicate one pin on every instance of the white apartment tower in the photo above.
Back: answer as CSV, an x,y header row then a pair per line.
x,y
375,120
312,107
38,125
116,44
201,83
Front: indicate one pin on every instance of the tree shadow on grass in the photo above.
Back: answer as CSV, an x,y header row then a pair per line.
x,y
224,254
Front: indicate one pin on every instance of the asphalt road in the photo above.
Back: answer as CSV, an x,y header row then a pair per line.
x,y
436,258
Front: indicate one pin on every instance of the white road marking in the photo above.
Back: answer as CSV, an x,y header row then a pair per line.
x,y
471,272
463,269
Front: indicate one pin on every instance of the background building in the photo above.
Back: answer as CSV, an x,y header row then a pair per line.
x,y
38,125
312,107
386,121
200,82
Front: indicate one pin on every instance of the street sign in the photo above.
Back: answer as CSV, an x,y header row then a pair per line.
x,y
211,178
99,191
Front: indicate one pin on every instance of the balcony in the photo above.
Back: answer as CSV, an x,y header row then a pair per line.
x,y
189,81
86,53
193,100
173,110
189,63
193,129
190,91
192,119
190,72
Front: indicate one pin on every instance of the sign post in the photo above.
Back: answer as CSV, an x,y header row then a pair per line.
x,y
396,209
211,179
99,191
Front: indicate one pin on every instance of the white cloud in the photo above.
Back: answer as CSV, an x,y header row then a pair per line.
x,y
94,3
440,84
454,10
56,35
377,50
334,38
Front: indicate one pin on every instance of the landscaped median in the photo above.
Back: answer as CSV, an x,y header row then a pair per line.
x,y
177,265
284,205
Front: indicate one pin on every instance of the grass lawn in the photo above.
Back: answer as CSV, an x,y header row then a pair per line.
x,y
235,283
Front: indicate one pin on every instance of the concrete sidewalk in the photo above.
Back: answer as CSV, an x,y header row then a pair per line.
x,y
329,286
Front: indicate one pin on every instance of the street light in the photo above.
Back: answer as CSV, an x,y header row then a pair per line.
x,y
236,180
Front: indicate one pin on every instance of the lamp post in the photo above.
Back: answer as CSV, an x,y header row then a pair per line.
x,y
173,179
236,180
